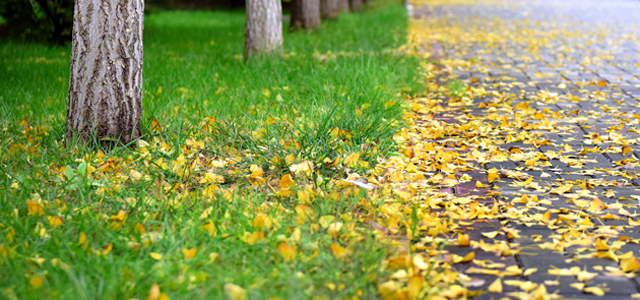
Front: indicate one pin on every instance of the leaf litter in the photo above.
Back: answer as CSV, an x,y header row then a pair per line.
x,y
455,135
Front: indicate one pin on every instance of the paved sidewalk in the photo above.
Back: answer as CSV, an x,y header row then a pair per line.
x,y
551,123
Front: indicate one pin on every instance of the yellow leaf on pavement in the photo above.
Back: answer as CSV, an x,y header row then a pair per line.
x,y
495,287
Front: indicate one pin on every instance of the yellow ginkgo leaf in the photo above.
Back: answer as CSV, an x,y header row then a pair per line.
x,y
469,257
234,292
595,206
288,252
594,290
414,286
36,281
495,287
492,177
286,182
154,292
463,240
491,234
189,253
338,251
630,264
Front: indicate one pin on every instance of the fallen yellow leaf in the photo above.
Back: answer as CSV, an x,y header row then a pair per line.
x,y
495,287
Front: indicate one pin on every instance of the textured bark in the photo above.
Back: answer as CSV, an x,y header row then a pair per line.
x,y
105,85
263,31
355,5
329,9
343,5
305,14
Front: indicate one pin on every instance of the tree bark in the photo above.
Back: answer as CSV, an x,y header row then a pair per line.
x,y
329,9
263,32
105,85
355,5
305,14
343,5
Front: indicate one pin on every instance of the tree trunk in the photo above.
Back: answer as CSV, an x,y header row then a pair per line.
x,y
329,9
305,14
105,85
355,5
263,33
343,5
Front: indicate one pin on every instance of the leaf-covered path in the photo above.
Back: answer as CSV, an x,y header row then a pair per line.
x,y
528,145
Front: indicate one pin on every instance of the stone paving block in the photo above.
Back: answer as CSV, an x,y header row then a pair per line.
x,y
507,165
583,296
617,285
541,259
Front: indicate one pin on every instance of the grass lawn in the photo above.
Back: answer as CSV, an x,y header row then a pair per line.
x,y
236,183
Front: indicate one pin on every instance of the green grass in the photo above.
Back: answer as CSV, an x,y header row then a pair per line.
x,y
337,91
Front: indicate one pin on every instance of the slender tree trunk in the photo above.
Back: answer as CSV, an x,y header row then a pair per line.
x,y
355,5
305,14
329,9
105,85
263,33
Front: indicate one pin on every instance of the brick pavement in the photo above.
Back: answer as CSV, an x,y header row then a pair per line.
x,y
568,73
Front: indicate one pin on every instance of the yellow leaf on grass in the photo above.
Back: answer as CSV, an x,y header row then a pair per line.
x,y
36,281
352,160
338,251
154,292
83,238
189,253
35,208
286,182
304,167
414,286
388,289
164,296
155,125
495,287
55,221
106,249
234,292
288,252
325,221
156,256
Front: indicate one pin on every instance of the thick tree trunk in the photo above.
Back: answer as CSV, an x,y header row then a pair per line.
x,y
329,9
355,5
105,85
305,14
263,33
